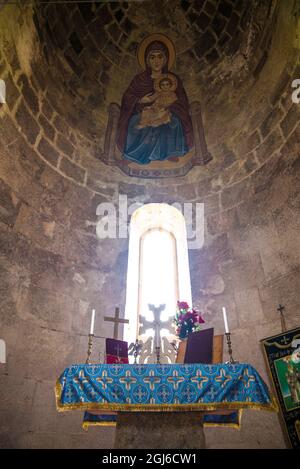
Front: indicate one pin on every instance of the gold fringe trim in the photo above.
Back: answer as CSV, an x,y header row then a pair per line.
x,y
236,426
227,425
272,406
86,425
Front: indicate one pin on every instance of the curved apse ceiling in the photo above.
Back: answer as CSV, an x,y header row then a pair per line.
x,y
92,48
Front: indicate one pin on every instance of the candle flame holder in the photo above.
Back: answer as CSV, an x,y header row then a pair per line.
x,y
90,346
135,350
228,338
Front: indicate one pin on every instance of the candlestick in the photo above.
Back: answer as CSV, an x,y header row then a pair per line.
x,y
90,346
225,320
231,360
92,323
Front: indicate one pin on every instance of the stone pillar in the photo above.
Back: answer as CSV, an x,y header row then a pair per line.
x,y
163,430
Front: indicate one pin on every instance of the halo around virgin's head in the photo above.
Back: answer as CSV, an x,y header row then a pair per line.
x,y
151,38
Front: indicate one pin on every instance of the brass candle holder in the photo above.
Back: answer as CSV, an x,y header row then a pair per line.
x,y
228,338
90,346
157,352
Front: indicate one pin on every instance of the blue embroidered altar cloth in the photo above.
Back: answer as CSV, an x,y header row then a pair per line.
x,y
171,387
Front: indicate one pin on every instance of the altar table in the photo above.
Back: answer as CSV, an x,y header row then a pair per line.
x,y
104,391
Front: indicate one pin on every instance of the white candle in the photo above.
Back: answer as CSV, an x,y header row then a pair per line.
x,y
225,320
92,322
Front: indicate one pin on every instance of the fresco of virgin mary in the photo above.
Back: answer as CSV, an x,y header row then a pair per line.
x,y
168,131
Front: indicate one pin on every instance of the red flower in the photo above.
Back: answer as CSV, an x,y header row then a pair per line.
x,y
182,305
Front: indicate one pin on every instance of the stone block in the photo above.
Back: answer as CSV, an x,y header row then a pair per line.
x,y
209,6
187,191
235,194
232,23
287,222
12,91
39,228
280,290
204,44
222,222
9,204
203,21
265,176
47,127
273,260
53,182
16,403
72,170
291,120
211,204
65,145
244,143
47,109
50,351
29,160
8,131
282,83
48,152
147,430
204,187
271,121
29,94
60,125
51,309
112,52
249,306
243,272
218,23
272,144
132,190
27,123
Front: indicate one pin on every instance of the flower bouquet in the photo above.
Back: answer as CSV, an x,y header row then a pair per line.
x,y
187,320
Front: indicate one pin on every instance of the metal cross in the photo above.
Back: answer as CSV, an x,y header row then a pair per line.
x,y
116,320
282,319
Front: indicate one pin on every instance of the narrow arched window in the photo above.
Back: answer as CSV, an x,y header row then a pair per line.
x,y
158,267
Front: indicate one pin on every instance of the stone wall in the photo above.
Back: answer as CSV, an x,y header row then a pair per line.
x,y
54,270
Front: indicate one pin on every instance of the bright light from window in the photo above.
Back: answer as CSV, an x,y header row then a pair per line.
x,y
158,275
158,266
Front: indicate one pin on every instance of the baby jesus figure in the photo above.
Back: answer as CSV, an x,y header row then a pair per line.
x,y
164,95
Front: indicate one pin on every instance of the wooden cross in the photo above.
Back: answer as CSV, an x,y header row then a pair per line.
x,y
117,320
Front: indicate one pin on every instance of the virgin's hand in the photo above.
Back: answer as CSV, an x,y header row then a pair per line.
x,y
148,98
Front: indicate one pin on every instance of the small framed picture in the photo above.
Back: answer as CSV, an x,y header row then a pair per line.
x,y
282,354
